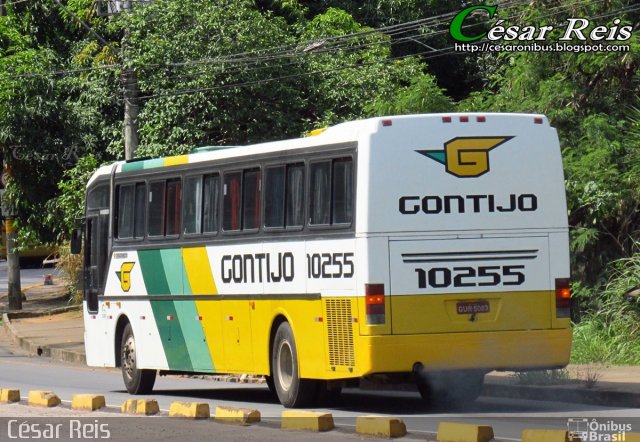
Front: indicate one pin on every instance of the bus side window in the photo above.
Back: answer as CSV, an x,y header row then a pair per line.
x,y
193,205
156,208
139,211
274,201
125,211
232,203
251,200
174,196
320,193
342,209
210,203
295,195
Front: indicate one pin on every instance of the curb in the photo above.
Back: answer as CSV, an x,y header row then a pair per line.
x,y
37,349
558,393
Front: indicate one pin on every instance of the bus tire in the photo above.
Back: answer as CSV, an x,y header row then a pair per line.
x,y
292,391
137,381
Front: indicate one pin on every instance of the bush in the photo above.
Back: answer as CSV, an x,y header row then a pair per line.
x,y
71,268
609,331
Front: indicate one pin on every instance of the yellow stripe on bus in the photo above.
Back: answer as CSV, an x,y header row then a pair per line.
x,y
198,269
176,161
196,262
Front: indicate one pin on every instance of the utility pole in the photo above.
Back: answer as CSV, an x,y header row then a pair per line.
x,y
13,258
130,83
13,266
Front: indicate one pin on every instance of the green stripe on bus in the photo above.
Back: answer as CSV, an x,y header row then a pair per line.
x,y
166,316
186,310
140,165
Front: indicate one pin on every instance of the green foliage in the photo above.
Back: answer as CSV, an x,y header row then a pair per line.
x,y
609,331
344,84
422,96
61,212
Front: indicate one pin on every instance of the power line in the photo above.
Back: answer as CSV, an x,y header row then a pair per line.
x,y
432,54
291,51
242,64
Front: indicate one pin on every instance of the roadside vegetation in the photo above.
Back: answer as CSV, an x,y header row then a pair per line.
x,y
235,72
609,331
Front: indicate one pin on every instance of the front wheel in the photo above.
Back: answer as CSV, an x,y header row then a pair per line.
x,y
137,381
292,391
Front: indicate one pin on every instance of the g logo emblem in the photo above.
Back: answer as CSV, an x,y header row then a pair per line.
x,y
124,275
466,157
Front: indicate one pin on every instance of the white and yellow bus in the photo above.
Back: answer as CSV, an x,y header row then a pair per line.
x,y
424,247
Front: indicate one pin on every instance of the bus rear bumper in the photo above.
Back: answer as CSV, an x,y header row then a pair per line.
x,y
504,350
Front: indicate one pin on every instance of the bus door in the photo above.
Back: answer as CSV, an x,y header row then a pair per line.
x,y
96,244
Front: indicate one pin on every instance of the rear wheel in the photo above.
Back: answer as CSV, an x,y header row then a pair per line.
x,y
137,381
291,390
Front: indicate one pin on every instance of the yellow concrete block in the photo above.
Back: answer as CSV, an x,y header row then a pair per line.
x,y
458,432
39,398
147,407
192,410
380,426
307,420
547,436
9,395
231,415
89,402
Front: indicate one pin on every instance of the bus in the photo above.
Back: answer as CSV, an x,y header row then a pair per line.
x,y
40,253
423,248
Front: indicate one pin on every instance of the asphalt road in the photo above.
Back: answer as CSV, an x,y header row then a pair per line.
x,y
28,275
508,417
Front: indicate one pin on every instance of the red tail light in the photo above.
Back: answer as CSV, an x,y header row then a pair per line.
x,y
563,298
374,302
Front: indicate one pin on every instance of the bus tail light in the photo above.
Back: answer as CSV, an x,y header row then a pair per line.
x,y
563,298
374,301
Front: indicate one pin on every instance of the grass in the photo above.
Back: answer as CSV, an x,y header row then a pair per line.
x,y
543,377
614,342
609,332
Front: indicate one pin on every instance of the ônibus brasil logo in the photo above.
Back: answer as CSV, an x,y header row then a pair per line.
x,y
466,157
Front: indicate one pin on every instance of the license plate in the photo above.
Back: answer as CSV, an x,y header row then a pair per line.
x,y
468,308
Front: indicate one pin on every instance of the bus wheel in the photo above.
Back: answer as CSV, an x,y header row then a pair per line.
x,y
291,390
136,380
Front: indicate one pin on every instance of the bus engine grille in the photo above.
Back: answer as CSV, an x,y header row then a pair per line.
x,y
340,332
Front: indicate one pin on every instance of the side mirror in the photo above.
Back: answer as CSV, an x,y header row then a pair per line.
x,y
76,237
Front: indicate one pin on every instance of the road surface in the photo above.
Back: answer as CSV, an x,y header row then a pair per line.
x,y
508,417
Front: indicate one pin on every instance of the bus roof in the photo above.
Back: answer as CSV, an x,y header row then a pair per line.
x,y
341,133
